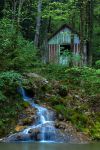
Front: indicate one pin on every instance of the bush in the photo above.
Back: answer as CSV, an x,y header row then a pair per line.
x,y
85,78
16,53
10,101
60,109
95,131
53,71
97,64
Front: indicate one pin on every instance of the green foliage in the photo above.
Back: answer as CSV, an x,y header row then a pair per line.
x,y
53,71
97,64
9,77
81,104
25,104
61,109
10,101
15,52
86,78
96,131
2,97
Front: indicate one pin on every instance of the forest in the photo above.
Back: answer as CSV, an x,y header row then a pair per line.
x,y
72,91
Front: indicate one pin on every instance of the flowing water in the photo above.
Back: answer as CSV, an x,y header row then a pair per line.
x,y
45,121
48,137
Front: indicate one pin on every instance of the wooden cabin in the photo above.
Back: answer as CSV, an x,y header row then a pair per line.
x,y
64,43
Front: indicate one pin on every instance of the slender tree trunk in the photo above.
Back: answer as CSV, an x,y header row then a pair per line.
x,y
38,23
14,9
20,5
82,31
45,42
90,31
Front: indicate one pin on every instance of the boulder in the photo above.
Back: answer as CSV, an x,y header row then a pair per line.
x,y
34,134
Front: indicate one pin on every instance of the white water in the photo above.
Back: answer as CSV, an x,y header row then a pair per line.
x,y
45,120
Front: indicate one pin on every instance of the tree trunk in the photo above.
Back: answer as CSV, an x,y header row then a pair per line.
x,y
38,23
14,9
82,32
21,2
90,31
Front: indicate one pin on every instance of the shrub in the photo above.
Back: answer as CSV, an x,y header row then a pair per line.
x,y
10,101
97,64
95,131
16,53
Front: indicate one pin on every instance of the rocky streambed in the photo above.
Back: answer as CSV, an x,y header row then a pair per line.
x,y
30,128
39,121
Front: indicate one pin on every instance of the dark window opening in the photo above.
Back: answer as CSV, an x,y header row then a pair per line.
x,y
64,48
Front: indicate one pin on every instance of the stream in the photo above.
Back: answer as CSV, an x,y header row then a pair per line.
x,y
46,136
44,126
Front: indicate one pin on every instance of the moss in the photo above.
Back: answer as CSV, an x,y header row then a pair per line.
x,y
54,100
95,131
25,104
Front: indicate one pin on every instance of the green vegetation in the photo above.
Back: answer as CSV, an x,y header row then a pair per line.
x,y
16,53
74,92
11,103
77,96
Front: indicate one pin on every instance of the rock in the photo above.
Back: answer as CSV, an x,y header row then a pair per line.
x,y
28,117
28,121
34,134
60,117
19,128
34,75
19,137
37,101
1,140
34,131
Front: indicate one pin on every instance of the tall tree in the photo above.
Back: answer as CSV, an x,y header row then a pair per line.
x,y
38,23
90,12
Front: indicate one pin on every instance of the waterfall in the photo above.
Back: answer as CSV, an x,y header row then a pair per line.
x,y
45,121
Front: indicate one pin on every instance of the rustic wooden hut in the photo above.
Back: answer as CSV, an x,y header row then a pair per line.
x,y
61,43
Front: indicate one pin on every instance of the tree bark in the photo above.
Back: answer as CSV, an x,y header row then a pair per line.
x,y
82,31
21,2
38,23
90,31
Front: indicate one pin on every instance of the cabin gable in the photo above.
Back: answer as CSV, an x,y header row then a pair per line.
x,y
63,36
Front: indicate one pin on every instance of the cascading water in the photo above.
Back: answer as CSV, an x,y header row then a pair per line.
x,y
44,123
43,129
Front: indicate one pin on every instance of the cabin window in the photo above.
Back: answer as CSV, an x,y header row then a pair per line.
x,y
64,48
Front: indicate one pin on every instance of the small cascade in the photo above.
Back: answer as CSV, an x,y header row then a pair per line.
x,y
22,92
44,123
43,129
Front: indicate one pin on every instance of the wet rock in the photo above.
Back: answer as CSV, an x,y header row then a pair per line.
x,y
34,134
19,137
37,101
34,131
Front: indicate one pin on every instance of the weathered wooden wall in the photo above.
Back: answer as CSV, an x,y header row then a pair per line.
x,y
64,36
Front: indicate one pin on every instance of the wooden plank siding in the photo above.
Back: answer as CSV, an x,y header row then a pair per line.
x,y
53,50
64,37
